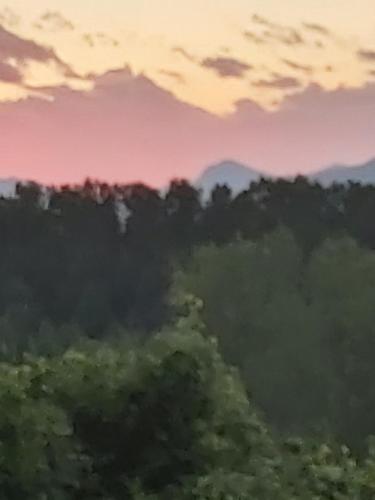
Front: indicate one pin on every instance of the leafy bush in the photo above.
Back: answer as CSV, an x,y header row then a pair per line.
x,y
168,419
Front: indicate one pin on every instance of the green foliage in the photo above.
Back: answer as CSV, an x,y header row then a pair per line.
x,y
170,411
95,423
153,418
165,420
300,330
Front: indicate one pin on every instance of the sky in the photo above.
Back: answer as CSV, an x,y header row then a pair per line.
x,y
127,90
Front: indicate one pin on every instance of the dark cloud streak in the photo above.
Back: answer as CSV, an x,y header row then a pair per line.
x,y
279,82
304,68
366,55
226,67
317,28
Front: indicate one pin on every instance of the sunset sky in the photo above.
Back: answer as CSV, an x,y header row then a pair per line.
x,y
153,89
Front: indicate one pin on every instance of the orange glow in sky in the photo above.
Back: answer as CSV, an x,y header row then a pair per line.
x,y
94,36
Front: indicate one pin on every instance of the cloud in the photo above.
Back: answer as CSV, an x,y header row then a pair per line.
x,y
305,68
184,53
10,74
226,67
21,50
127,128
100,38
366,55
279,82
174,75
54,21
317,28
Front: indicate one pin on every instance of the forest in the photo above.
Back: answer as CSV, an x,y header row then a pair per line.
x,y
156,346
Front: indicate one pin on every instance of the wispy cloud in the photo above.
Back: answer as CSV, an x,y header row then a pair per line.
x,y
174,75
53,21
286,36
317,28
100,38
253,37
226,67
184,53
278,32
257,19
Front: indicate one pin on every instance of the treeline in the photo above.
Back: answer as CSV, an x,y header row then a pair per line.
x,y
98,257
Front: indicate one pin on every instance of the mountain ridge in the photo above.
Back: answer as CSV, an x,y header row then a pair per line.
x,y
363,173
8,187
238,175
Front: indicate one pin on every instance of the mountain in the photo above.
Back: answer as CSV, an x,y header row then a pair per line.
x,y
236,175
8,187
364,173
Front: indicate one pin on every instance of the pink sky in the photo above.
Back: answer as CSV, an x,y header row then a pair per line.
x,y
127,128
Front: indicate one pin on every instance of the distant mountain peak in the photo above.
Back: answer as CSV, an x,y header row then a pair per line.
x,y
363,173
236,175
227,166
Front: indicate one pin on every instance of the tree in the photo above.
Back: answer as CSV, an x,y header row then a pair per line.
x,y
254,302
